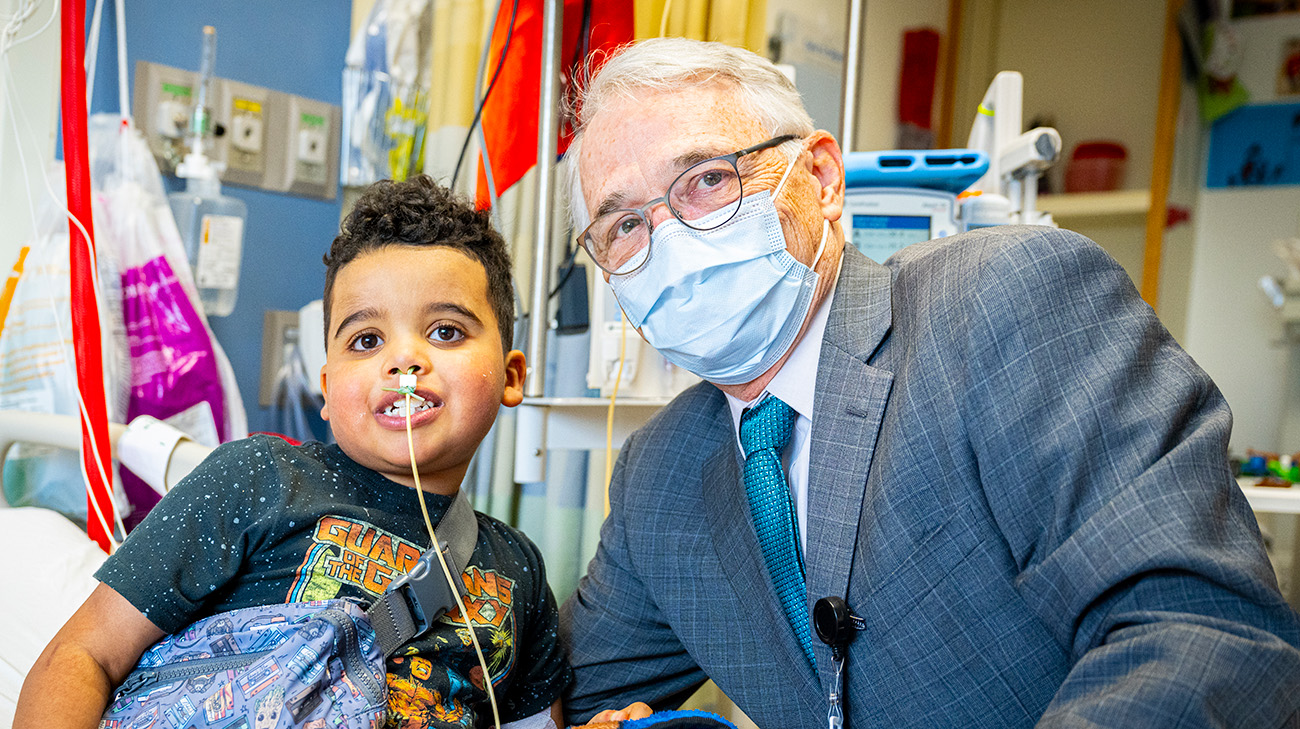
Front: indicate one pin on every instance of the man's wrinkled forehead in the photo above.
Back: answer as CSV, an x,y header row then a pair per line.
x,y
634,148
645,175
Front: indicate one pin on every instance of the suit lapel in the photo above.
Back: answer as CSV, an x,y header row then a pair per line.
x,y
847,413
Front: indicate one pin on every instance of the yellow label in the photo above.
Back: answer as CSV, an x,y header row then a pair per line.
x,y
248,105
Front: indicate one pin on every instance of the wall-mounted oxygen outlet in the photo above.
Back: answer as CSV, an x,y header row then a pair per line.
x,y
312,144
163,99
310,131
265,138
244,110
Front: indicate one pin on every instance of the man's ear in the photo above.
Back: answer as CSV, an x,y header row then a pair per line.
x,y
324,391
516,369
828,168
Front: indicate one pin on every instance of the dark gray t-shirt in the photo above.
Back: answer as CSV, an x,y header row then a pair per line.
x,y
262,522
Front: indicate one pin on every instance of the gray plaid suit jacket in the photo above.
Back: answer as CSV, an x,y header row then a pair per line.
x,y
1018,479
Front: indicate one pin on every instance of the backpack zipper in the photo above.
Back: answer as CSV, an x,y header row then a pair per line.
x,y
186,669
349,650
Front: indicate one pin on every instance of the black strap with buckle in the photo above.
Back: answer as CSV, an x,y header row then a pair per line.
x,y
414,601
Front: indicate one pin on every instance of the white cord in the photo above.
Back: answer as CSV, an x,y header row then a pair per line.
x,y
31,8
123,102
613,398
663,19
69,357
446,571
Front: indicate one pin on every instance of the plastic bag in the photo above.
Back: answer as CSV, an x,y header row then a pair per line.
x,y
37,370
178,372
385,94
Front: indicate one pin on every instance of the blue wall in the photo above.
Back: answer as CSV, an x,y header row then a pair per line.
x,y
292,46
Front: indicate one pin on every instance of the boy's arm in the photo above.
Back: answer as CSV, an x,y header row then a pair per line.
x,y
73,680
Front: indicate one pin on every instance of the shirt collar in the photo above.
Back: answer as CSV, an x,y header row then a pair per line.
x,y
796,382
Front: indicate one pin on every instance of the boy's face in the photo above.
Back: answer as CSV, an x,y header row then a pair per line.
x,y
424,307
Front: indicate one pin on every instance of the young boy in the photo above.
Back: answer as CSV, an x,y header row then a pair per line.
x,y
416,281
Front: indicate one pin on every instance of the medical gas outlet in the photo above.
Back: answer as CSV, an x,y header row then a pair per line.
x,y
243,109
263,138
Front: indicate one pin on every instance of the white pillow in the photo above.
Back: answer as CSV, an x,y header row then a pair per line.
x,y
49,568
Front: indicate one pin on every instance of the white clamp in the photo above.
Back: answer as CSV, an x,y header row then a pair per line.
x,y
146,447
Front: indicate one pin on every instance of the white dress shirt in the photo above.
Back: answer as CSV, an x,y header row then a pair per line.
x,y
796,384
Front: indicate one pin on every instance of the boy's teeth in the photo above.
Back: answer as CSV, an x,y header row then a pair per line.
x,y
399,408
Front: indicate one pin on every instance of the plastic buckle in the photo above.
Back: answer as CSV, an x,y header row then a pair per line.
x,y
425,589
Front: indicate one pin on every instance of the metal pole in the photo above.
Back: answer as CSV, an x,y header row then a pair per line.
x,y
539,316
852,59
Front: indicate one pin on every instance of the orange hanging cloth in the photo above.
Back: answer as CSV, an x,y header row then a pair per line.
x,y
510,114
95,448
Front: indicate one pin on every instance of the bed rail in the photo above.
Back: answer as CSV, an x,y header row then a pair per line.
x,y
63,431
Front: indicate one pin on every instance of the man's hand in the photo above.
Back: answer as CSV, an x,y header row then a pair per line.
x,y
638,710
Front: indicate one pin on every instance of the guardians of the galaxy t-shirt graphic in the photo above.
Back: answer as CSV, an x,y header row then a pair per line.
x,y
434,680
351,552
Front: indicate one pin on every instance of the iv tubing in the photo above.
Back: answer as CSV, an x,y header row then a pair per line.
x,y
81,402
123,98
6,45
446,571
609,417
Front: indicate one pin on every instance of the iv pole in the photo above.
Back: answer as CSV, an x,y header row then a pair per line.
x,y
531,423
852,61
539,316
530,426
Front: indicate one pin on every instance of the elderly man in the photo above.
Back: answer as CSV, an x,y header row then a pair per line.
x,y
988,447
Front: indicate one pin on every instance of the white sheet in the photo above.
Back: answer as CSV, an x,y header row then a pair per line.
x,y
48,572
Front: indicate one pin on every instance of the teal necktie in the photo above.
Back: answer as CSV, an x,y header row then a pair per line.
x,y
764,431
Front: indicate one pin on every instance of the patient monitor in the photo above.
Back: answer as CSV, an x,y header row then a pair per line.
x,y
897,198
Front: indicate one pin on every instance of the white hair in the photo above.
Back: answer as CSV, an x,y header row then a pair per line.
x,y
663,64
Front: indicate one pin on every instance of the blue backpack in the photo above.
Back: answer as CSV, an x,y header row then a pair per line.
x,y
316,665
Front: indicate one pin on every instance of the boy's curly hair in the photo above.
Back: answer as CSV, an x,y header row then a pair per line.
x,y
420,212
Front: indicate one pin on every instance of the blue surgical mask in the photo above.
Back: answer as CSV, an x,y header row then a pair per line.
x,y
726,303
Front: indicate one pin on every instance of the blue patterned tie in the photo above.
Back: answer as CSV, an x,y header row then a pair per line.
x,y
764,431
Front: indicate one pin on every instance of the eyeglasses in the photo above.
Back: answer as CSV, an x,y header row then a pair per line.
x,y
703,197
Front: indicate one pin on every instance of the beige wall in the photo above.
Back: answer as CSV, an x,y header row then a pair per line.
x,y
882,48
1094,66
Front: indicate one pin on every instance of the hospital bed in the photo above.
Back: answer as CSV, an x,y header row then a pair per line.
x,y
49,561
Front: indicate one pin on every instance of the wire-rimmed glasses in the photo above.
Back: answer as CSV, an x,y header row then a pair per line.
x,y
704,196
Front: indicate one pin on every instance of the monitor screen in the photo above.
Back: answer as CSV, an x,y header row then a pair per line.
x,y
881,236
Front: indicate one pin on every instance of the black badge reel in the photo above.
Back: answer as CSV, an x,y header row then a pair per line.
x,y
836,626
